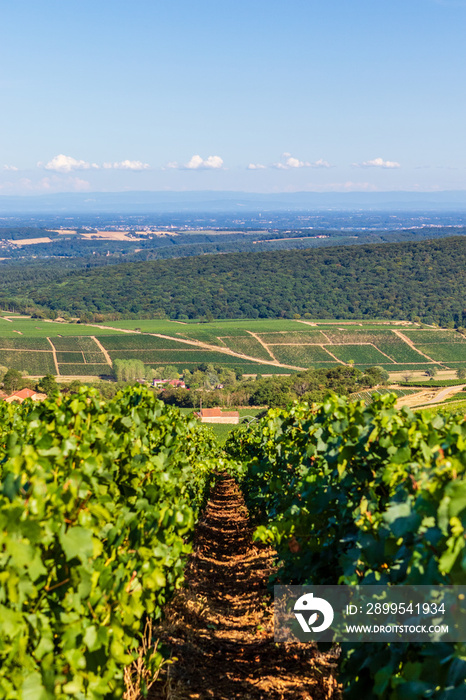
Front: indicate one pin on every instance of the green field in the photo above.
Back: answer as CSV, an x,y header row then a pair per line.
x,y
139,342
303,355
26,344
445,352
247,345
84,370
33,327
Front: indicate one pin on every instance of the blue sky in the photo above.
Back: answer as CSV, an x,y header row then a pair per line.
x,y
256,95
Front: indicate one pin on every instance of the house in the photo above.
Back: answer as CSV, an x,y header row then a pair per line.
x,y
161,383
216,415
24,394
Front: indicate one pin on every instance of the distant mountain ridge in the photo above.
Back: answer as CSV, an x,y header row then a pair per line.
x,y
161,201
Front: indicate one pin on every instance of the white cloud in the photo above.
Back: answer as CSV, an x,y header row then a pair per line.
x,y
198,163
127,165
377,163
66,164
321,164
289,162
256,166
11,168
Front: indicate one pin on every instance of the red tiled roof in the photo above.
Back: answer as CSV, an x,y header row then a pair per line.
x,y
215,412
210,412
25,394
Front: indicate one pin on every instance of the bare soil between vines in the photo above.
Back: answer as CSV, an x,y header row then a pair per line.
x,y
219,628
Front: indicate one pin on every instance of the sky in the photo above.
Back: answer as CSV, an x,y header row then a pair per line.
x,y
247,95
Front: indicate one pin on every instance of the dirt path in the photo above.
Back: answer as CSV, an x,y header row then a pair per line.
x,y
429,397
103,350
409,342
54,353
329,352
220,628
266,347
205,346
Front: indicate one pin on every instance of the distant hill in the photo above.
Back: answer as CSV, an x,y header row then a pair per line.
x,y
145,202
392,280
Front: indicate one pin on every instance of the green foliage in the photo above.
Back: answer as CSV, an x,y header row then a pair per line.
x,y
367,494
376,375
372,394
12,381
392,280
97,507
48,385
129,370
431,383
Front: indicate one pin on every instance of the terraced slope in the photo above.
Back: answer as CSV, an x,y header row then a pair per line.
x,y
250,347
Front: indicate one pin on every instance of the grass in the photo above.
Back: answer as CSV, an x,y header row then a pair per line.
x,y
32,327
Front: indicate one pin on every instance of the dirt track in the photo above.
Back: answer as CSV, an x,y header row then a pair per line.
x,y
220,628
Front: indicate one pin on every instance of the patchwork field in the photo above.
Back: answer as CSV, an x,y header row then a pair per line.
x,y
265,346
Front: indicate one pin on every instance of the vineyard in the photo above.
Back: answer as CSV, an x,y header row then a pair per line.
x,y
372,395
101,503
360,495
97,510
242,345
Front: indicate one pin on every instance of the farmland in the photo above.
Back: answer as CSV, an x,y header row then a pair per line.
x,y
251,346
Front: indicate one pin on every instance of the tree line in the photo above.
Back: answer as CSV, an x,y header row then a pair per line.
x,y
422,280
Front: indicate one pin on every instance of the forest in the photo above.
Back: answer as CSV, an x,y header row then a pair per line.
x,y
408,280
